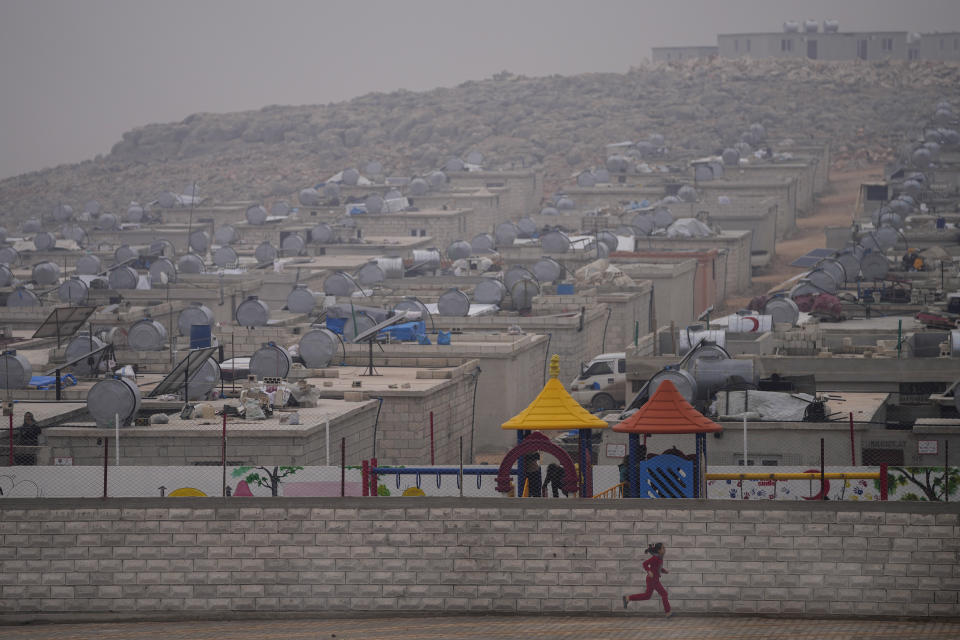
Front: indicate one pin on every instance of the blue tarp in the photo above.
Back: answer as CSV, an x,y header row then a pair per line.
x,y
406,331
443,337
336,324
50,382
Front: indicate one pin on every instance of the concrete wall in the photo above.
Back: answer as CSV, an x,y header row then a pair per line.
x,y
940,46
671,54
733,266
782,193
211,556
674,291
830,46
524,188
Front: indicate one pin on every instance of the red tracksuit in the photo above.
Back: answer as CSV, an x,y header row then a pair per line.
x,y
653,565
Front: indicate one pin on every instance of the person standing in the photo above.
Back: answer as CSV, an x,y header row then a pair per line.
x,y
653,566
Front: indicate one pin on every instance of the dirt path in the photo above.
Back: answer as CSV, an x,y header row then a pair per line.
x,y
833,208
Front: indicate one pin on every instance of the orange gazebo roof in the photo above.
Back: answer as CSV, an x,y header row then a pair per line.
x,y
667,412
554,409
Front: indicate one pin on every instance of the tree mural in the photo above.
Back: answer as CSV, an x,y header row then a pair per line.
x,y
269,478
931,481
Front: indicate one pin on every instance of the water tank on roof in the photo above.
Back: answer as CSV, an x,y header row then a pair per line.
x,y
44,241
684,381
548,270
891,220
370,274
374,204
309,197
203,380
357,324
31,225
804,288
782,310
225,256
643,224
292,244
196,313
823,280
459,250
252,312
527,227
301,299
199,241
374,168
437,179
934,149
63,212
453,165
922,158
79,345
162,247
331,191
339,284
162,269
482,243
6,276
107,222
134,213
618,164
418,187
88,265
522,294
322,234
686,193
46,273
811,26
690,337
22,297
835,268
453,302
565,203
256,214
9,256
265,252
549,211
731,157
15,371
225,234
350,177
657,140
506,233
280,209
609,239
515,274
662,218
831,26
412,304
727,373
489,291
555,242
75,233
123,278
112,398
146,335
791,26
318,347
392,266
190,263
586,179
874,266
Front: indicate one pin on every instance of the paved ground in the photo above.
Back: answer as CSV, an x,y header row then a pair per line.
x,y
499,628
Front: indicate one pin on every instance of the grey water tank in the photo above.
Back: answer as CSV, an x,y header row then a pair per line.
x,y
301,299
225,256
782,310
146,334
196,313
831,26
44,241
167,200
75,233
331,191
610,239
225,234
418,187
459,250
3,235
489,291
6,276
370,274
9,256
162,247
256,214
374,204
549,211
107,222
339,284
374,168
506,233
62,212
412,304
437,179
199,241
850,262
662,218
280,209
124,253
453,302
429,258
618,164
161,270
392,266
134,213
15,371
322,234
791,27
891,220
527,227
823,279
686,193
190,263
293,244
454,165
32,225
252,312
690,337
565,203
357,324
555,242
586,179
317,348
265,252
202,380
350,177
74,291
874,266
92,207
46,273
482,243
123,278
80,345
731,157
643,224
684,381
309,197
515,274
112,398
523,292
714,375
547,269
922,158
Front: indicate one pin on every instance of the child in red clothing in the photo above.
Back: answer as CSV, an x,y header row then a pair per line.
x,y
653,566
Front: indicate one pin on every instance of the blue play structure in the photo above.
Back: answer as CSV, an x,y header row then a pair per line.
x,y
666,476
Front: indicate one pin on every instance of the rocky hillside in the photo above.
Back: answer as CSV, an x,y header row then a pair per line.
x,y
559,123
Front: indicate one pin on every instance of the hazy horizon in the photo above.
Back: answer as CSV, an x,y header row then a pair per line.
x,y
76,75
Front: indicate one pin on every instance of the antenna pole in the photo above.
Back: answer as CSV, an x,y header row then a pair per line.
x,y
193,198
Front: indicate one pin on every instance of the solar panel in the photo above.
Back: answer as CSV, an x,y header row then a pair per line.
x,y
63,322
400,316
173,382
811,258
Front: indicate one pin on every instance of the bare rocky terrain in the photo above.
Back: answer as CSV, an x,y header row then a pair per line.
x,y
557,122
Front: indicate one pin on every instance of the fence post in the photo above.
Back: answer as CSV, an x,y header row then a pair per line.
x,y
365,469
431,440
883,481
343,467
823,473
946,470
106,459
11,438
223,454
373,478
853,449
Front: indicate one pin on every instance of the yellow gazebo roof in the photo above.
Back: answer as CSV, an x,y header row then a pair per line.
x,y
554,409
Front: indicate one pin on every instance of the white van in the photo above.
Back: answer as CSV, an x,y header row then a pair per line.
x,y
601,384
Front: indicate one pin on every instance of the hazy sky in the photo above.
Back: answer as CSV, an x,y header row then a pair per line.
x,y
76,74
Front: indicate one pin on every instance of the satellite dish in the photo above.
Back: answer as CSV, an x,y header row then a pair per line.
x,y
412,304
586,179
453,302
475,157
506,233
489,291
374,168
203,380
280,209
437,179
662,218
370,273
555,242
522,294
850,263
292,244
331,191
252,312
357,324
547,270
199,241
79,345
609,239
107,222
322,234
111,398
225,234
453,165
22,297
146,335
822,280
874,266
162,270
44,241
643,223
134,213
75,291
15,371
301,299
309,197
63,212
374,204
225,256
459,250
350,177
196,314
339,284
516,273
549,211
256,215
191,263
123,278
265,252
6,276
317,348
270,361
482,243
527,227
782,310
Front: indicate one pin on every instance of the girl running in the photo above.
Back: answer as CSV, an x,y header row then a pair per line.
x,y
653,566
